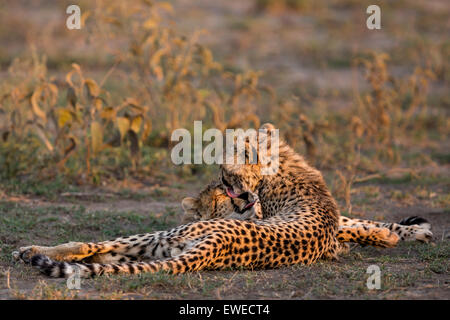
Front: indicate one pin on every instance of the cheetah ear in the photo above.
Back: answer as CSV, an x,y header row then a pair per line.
x,y
267,126
189,203
267,132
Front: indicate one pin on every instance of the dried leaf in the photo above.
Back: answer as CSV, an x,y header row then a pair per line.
x,y
64,116
156,57
136,123
93,88
54,90
84,17
98,103
35,106
69,78
112,20
41,134
67,151
147,129
123,124
71,147
108,113
76,67
96,136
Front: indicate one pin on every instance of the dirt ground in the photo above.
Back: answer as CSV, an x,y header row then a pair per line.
x,y
409,271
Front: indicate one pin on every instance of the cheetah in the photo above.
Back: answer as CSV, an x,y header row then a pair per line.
x,y
300,226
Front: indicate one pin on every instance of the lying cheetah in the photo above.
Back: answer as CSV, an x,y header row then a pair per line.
x,y
301,225
214,203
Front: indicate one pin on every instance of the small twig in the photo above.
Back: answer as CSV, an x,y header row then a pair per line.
x,y
8,274
86,194
383,174
110,71
232,277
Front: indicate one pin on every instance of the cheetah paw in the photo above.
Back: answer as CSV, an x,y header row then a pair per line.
x,y
25,253
389,239
422,234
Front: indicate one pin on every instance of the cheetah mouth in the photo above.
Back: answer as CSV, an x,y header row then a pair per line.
x,y
244,196
231,193
249,205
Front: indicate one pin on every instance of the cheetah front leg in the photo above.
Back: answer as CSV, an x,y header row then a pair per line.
x,y
72,251
78,251
373,236
149,246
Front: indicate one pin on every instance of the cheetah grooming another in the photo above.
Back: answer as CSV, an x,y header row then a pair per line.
x,y
293,219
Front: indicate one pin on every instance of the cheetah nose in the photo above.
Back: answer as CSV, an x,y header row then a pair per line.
x,y
243,196
231,193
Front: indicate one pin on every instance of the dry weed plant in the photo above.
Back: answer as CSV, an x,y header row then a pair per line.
x,y
83,126
171,79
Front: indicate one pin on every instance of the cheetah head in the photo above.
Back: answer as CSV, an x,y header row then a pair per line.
x,y
213,202
242,177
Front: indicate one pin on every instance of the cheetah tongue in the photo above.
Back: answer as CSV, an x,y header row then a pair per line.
x,y
231,193
249,205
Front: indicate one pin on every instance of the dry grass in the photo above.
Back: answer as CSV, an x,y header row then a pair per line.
x,y
411,270
151,78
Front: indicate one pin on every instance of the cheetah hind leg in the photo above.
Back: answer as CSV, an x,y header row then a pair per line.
x,y
373,236
335,250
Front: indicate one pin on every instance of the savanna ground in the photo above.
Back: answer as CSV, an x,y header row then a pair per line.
x,y
86,117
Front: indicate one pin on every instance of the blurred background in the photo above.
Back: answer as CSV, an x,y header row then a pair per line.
x,y
98,105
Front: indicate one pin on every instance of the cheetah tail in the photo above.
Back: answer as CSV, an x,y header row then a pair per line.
x,y
60,269
416,220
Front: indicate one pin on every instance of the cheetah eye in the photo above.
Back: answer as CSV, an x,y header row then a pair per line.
x,y
226,183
